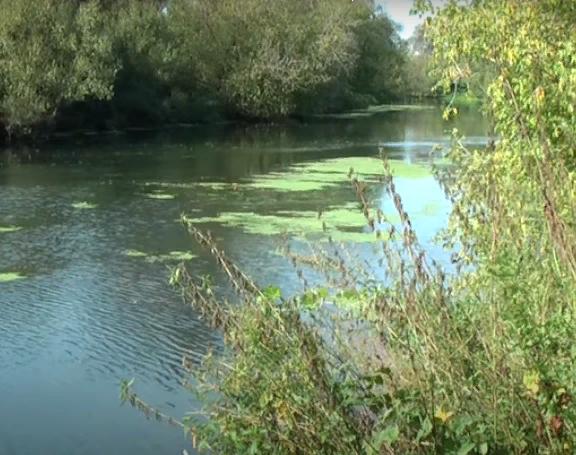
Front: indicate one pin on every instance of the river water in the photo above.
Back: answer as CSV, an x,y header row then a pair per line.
x,y
84,313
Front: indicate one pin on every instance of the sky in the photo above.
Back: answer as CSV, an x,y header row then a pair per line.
x,y
399,11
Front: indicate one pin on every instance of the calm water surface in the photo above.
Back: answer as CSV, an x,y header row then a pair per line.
x,y
88,315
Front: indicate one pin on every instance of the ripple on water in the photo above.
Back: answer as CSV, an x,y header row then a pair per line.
x,y
84,316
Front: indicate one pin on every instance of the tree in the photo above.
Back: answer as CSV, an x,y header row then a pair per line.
x,y
380,58
418,43
39,74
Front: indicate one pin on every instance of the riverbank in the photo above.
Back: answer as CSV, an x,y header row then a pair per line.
x,y
35,138
134,64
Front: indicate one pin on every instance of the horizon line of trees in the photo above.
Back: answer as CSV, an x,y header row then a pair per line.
x,y
103,64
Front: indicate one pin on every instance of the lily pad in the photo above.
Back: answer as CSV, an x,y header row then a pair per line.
x,y
84,205
10,228
10,276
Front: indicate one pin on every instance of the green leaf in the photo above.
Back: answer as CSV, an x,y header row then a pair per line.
x,y
388,436
483,448
425,429
460,423
272,292
466,448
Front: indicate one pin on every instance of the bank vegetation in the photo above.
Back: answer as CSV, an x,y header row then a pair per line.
x,y
479,361
103,65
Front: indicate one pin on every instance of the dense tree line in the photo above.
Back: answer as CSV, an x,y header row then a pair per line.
x,y
101,63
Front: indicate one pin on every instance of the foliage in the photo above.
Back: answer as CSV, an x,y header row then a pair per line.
x,y
381,59
50,53
417,79
131,63
418,361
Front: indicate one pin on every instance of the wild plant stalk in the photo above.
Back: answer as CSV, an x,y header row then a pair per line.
x,y
452,366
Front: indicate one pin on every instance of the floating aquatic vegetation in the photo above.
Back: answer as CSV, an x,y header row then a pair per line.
x,y
84,205
326,179
160,196
10,228
288,184
189,185
295,222
313,176
172,256
135,253
354,237
177,256
365,167
10,276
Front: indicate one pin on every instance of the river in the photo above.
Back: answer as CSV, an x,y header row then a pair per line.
x,y
87,226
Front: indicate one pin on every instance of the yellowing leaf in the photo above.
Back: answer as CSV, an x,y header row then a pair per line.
x,y
443,415
539,94
531,381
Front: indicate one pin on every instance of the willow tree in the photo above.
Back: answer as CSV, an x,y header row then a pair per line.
x,y
51,52
263,57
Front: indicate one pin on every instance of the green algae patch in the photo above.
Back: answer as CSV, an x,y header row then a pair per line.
x,y
160,196
254,223
293,183
400,107
320,175
6,229
177,256
337,169
362,165
305,177
134,253
188,185
82,205
172,256
296,222
10,276
214,185
346,216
